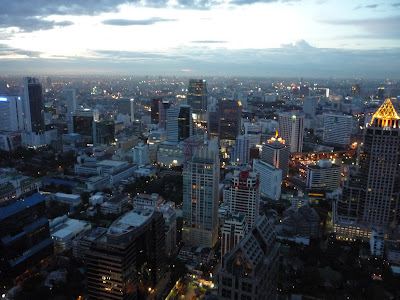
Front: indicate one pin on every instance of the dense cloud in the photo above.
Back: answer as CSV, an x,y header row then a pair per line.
x,y
127,22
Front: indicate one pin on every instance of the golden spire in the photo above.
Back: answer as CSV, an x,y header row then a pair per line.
x,y
386,114
276,134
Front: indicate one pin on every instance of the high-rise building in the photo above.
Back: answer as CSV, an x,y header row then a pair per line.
x,y
11,113
337,129
70,99
126,107
324,175
381,93
200,197
128,259
235,228
179,123
250,270
304,91
155,112
270,179
310,106
162,113
243,195
197,96
83,123
241,151
141,154
103,132
24,237
253,132
291,127
275,152
229,120
33,105
191,144
371,199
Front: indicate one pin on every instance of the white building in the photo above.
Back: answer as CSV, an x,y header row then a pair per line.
x,y
147,200
11,116
337,129
324,175
141,154
33,139
169,214
243,195
253,132
115,205
291,128
70,199
241,151
64,231
270,179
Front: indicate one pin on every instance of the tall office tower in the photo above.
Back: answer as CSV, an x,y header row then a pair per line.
x,y
356,90
162,113
200,197
235,228
33,105
291,127
24,237
324,175
128,259
310,106
213,121
372,198
243,195
103,132
11,116
155,110
83,123
191,144
275,152
197,96
253,132
270,179
250,270
337,129
126,107
179,123
70,98
241,151
229,120
381,93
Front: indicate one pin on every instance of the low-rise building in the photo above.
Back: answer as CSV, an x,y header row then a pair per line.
x,y
116,205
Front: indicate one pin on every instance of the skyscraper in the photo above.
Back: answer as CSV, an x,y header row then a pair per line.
x,y
243,195
179,123
372,198
162,113
103,132
11,116
291,127
235,228
270,179
70,98
241,151
200,197
337,129
155,112
197,96
275,152
33,105
229,120
250,270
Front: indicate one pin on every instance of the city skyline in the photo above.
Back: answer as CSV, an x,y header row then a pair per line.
x,y
235,37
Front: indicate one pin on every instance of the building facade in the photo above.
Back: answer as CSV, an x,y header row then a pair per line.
x,y
291,127
275,152
337,129
270,179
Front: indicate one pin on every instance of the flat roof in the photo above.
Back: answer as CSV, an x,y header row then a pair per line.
x,y
111,163
67,227
16,207
130,221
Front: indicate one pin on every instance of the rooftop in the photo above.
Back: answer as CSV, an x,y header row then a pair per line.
x,y
69,226
130,221
16,207
111,163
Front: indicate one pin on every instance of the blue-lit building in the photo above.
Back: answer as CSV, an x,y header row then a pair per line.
x,y
24,236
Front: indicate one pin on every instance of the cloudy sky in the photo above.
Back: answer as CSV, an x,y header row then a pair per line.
x,y
326,38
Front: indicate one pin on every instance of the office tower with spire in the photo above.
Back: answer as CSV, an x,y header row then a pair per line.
x,y
33,105
197,96
371,199
243,195
200,197
250,270
291,127
179,123
275,152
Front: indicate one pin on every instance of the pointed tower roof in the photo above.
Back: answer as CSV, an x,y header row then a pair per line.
x,y
386,115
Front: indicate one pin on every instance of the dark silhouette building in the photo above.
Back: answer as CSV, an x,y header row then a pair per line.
x,y
197,96
103,132
33,105
229,120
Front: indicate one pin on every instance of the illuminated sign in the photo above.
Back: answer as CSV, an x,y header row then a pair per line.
x,y
2,99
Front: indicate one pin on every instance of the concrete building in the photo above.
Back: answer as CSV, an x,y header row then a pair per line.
x,y
229,116
141,154
200,197
337,129
275,152
310,106
170,154
302,221
179,123
147,200
253,131
243,195
250,270
169,215
270,179
325,175
241,151
234,229
291,127
116,205
15,185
